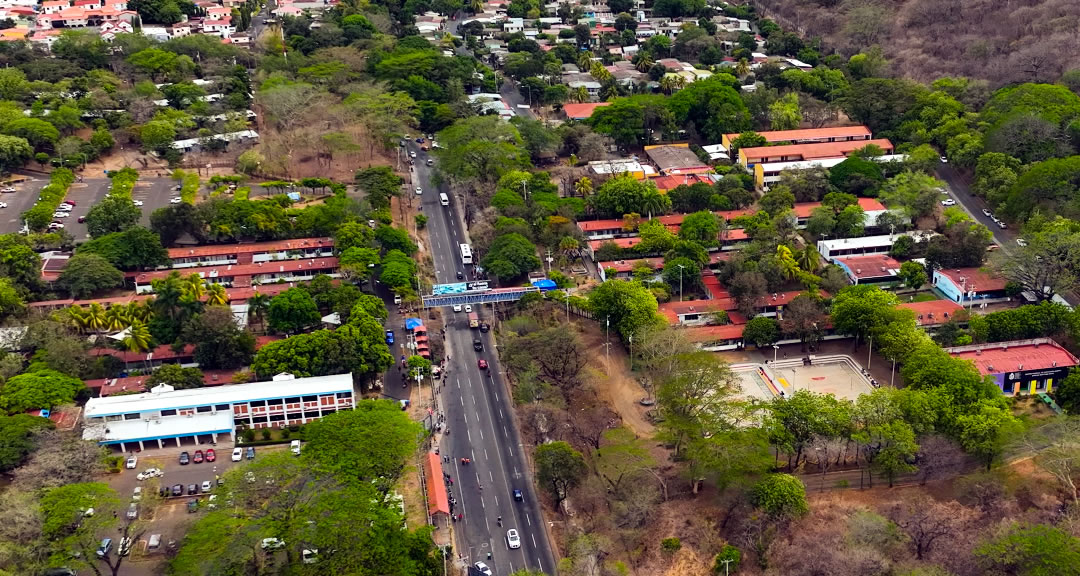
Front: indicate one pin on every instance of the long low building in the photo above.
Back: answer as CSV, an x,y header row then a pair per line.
x,y
225,254
201,415
768,173
749,157
246,275
808,135
1020,366
830,249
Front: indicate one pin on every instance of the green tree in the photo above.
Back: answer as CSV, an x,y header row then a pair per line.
x,y
1067,392
43,389
1031,550
623,195
784,113
860,309
14,152
913,275
986,430
176,376
780,496
133,248
352,234
701,227
157,135
762,331
343,444
379,183
777,200
891,448
358,263
559,468
391,238
219,342
747,140
114,213
88,274
293,311
628,306
16,438
511,256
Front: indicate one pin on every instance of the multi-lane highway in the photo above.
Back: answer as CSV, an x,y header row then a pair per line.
x,y
479,417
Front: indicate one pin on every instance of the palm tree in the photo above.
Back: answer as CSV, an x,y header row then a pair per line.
x,y
477,6
95,317
217,295
742,68
722,230
583,187
644,62
116,318
788,265
653,203
672,83
579,94
584,61
78,318
138,337
258,304
194,287
138,311
569,246
810,259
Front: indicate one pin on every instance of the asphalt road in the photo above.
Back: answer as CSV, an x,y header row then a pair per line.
x,y
508,89
479,414
960,190
18,202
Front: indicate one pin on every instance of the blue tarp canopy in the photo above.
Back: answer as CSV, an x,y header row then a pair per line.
x,y
545,284
412,323
294,196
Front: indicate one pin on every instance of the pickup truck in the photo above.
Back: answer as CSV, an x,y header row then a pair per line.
x,y
474,320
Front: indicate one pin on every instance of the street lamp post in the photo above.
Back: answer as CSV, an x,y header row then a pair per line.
x,y
774,349
631,352
869,352
607,339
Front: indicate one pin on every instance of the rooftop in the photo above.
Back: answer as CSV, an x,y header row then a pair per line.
x,y
583,110
811,134
240,270
673,181
254,247
805,209
675,159
714,333
866,266
860,242
1015,356
812,151
234,393
672,310
629,265
934,312
976,279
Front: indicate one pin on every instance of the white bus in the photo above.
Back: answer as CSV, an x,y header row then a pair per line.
x,y
466,254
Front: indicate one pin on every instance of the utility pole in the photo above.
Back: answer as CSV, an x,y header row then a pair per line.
x,y
631,352
726,562
680,280
607,339
869,352
549,261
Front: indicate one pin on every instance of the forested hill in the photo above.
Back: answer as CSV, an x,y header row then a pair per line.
x,y
1000,41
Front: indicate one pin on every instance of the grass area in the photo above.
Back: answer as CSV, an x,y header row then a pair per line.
x,y
925,297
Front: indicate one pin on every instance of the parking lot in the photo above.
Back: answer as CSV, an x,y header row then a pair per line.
x,y
169,516
18,202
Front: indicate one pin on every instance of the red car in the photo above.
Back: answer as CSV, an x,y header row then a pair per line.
x,y
482,364
198,457
211,455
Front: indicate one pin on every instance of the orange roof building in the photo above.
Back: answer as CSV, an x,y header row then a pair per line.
x,y
800,152
438,500
809,136
582,111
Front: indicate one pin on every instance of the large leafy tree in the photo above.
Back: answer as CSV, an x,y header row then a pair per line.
x,y
134,248
511,256
624,195
559,468
713,107
480,149
219,342
859,310
42,389
627,306
781,496
368,443
88,274
1032,550
293,311
16,438
115,213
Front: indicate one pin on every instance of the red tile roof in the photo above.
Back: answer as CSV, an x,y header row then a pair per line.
x,y
437,499
812,133
581,111
595,245
870,265
110,386
242,270
934,312
795,152
670,182
629,265
591,225
714,333
977,279
251,248
804,209
672,310
1004,357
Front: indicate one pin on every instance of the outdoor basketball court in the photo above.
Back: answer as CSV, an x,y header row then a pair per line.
x,y
835,376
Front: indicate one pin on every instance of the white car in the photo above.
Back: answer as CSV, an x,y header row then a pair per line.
x,y
419,190
206,486
457,307
132,462
3,204
468,307
294,447
175,200
412,154
309,556
8,189
949,202
512,539
56,226
272,543
64,208
1021,242
137,202
149,473
137,494
237,454
987,213
60,215
944,160
482,568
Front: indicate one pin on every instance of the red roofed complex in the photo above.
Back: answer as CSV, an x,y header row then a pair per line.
x,y
245,275
217,255
582,111
1021,366
671,182
809,136
869,268
438,500
969,285
935,312
799,152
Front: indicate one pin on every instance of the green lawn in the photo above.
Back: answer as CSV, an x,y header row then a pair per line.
x,y
925,297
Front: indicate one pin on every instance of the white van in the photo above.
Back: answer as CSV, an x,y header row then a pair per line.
x,y
294,446
443,199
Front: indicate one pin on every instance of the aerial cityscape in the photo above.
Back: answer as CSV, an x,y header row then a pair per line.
x,y
511,288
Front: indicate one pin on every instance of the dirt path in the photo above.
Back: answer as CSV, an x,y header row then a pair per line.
x,y
614,382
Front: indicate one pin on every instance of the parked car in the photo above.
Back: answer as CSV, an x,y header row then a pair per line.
x,y
1021,242
986,212
457,307
206,486
211,455
1001,224
137,202
192,489
468,307
948,202
103,549
294,447
272,543
8,189
482,568
237,454
3,204
178,490
132,462
251,453
136,495
192,506
175,200
81,219
184,458
198,457
132,511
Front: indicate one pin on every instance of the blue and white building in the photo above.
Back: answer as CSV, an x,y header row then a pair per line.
x,y
165,416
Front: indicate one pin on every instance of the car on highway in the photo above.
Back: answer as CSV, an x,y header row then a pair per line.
x,y
3,204
468,307
482,364
389,337
175,200
237,454
211,455
132,462
518,497
430,162
1021,242
477,345
184,458
482,568
460,276
987,213
944,160
512,539
948,202
457,307
198,457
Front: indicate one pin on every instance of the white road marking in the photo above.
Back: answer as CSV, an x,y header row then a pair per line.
x,y
490,475
469,434
511,451
501,414
539,563
504,432
533,536
481,434
527,520
486,457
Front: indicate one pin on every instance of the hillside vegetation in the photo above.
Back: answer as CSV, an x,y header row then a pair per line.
x,y
1001,41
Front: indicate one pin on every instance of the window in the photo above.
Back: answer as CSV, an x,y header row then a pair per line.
x,y
311,398
277,417
293,400
1040,385
274,402
134,416
222,407
204,409
168,412
344,394
255,403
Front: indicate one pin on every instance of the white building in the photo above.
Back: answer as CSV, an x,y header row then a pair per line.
x,y
830,249
199,415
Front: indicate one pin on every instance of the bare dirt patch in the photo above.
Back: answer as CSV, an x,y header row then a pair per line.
x,y
614,383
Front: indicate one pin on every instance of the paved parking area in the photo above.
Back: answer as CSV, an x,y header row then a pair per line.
x,y
85,194
154,193
19,202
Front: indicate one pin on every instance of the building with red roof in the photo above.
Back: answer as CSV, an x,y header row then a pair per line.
x,y
623,269
438,501
246,275
1020,366
583,110
224,254
934,313
799,152
808,136
969,285
869,268
672,181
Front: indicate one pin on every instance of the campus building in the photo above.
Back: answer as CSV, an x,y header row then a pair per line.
x,y
750,157
246,275
808,136
1020,366
968,286
252,253
831,249
199,415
